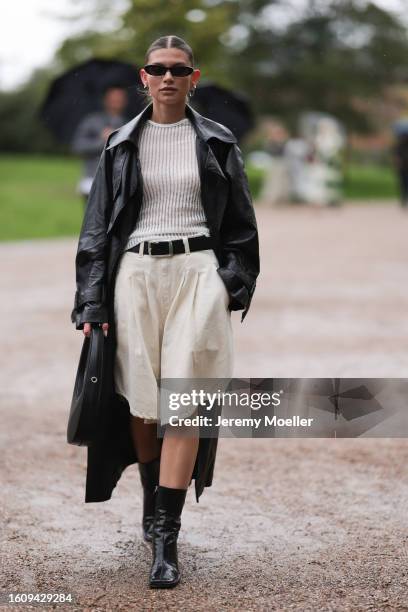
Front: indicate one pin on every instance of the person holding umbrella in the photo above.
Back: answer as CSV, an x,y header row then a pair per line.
x,y
93,131
168,248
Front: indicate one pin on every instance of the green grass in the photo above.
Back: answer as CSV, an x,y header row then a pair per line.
x,y
38,196
255,178
370,182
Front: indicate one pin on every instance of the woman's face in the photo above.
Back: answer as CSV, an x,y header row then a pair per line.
x,y
181,85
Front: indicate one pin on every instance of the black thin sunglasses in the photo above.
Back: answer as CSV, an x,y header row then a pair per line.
x,y
160,70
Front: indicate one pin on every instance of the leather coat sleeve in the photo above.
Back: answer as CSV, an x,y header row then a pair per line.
x,y
239,265
91,258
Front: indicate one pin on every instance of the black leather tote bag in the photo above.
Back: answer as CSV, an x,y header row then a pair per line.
x,y
88,399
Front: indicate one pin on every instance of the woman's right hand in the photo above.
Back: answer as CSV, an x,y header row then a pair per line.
x,y
87,329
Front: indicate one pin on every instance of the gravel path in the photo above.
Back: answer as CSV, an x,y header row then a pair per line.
x,y
289,524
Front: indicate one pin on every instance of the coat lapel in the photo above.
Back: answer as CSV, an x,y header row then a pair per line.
x,y
126,165
205,128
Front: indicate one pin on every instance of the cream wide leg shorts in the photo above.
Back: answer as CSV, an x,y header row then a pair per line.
x,y
172,321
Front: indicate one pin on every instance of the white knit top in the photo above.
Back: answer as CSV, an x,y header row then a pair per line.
x,y
171,206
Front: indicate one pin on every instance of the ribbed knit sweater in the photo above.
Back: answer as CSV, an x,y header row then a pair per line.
x,y
171,206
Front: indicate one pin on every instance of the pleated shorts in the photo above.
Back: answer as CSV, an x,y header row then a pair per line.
x,y
171,321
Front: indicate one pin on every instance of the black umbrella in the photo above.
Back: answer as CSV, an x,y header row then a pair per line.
x,y
79,91
230,108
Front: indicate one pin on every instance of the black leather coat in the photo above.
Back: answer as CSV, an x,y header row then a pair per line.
x,y
110,215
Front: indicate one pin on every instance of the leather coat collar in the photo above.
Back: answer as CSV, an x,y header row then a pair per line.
x,y
205,128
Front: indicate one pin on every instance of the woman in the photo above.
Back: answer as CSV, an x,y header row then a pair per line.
x,y
182,269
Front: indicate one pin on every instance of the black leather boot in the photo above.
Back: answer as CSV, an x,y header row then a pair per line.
x,y
149,476
165,572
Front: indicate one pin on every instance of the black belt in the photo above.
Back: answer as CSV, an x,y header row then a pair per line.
x,y
163,248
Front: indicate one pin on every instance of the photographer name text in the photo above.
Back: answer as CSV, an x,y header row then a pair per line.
x,y
267,421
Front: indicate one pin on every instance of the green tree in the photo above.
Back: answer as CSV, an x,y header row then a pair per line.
x,y
203,24
330,54
328,57
20,127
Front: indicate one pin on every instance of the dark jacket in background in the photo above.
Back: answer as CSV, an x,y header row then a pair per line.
x,y
88,141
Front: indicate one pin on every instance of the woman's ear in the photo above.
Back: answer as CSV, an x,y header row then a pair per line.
x,y
142,75
195,76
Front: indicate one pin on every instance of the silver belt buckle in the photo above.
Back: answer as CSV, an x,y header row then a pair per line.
x,y
170,242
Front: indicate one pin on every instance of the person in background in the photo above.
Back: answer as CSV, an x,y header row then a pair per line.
x,y
94,130
400,158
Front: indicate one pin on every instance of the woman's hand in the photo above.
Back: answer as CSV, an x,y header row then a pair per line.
x,y
87,329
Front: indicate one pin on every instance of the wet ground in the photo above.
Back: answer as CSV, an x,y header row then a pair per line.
x,y
289,524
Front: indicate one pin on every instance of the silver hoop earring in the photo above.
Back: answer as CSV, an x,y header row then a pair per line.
x,y
191,92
